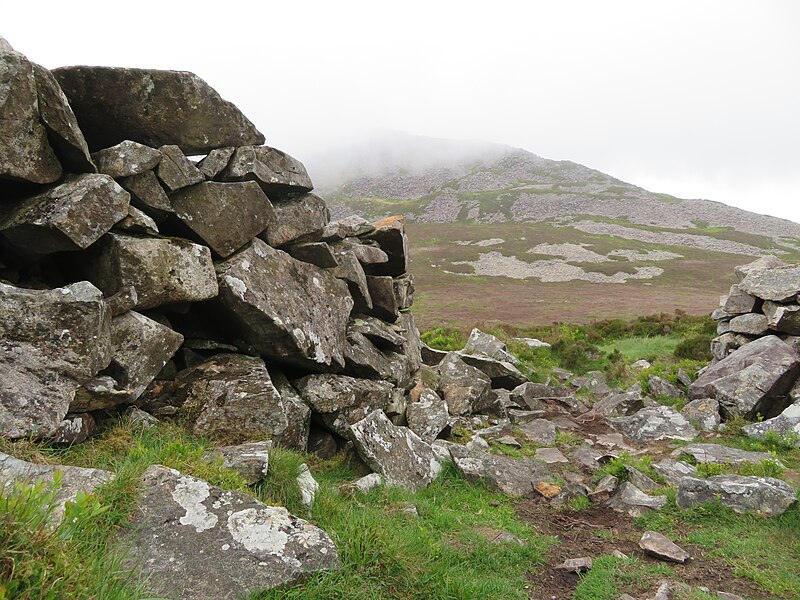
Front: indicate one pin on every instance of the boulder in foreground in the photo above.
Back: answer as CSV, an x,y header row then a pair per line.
x,y
764,496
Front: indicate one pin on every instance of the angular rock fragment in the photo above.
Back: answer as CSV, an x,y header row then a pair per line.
x,y
673,471
63,132
622,404
125,159
391,237
782,317
550,456
384,301
148,195
175,170
779,284
213,164
634,502
225,215
765,496
724,455
383,335
303,216
404,291
658,386
367,254
784,426
503,374
140,418
250,460
231,397
661,547
140,348
363,359
154,108
654,423
538,431
752,379
163,270
53,342
25,153
246,545
298,415
306,485
315,253
287,309
488,345
427,413
70,216
338,401
512,477
640,480
74,429
347,227
137,221
703,414
397,453
348,269
462,386
364,484
738,302
749,324
276,172
73,480
765,262
576,565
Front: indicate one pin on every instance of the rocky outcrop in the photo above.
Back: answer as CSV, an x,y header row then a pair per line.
x,y
245,544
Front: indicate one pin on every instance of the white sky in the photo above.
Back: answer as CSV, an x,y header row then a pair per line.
x,y
693,98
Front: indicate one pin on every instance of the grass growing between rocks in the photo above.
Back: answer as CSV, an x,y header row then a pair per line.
x,y
450,549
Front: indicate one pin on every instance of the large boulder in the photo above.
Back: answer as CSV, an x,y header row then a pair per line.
x,y
193,540
276,172
655,423
74,480
764,496
464,387
298,217
225,215
510,476
63,132
25,153
232,398
153,107
70,216
338,401
397,453
163,270
288,310
752,379
53,341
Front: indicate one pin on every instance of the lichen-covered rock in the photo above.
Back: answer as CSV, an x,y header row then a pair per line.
x,y
397,453
658,386
622,404
488,345
193,540
70,216
231,397
148,195
73,480
302,216
660,546
315,253
782,317
786,425
503,374
163,270
384,335
366,253
765,496
74,429
655,423
154,108
749,324
63,132
363,359
347,227
125,159
216,160
779,284
674,470
724,455
250,460
384,300
765,262
287,309
225,215
462,385
140,348
175,170
25,153
426,414
738,302
391,237
137,221
632,501
538,431
338,401
752,379
510,476
349,270
703,414
53,341
276,172
298,415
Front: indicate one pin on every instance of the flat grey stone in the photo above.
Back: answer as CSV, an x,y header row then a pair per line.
x,y
250,460
759,495
654,423
661,547
634,502
512,477
125,159
749,324
721,455
538,431
779,284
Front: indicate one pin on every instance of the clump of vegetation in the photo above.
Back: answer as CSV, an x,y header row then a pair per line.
x,y
448,339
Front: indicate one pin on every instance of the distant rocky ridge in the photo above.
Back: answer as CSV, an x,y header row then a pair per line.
x,y
495,184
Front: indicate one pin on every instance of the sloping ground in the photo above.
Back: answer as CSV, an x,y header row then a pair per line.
x,y
500,234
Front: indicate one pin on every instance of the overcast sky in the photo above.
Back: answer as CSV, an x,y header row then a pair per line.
x,y
700,99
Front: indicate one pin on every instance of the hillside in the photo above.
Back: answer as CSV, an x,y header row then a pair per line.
x,y
481,213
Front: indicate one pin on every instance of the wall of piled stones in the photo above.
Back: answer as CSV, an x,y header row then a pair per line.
x,y
155,254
